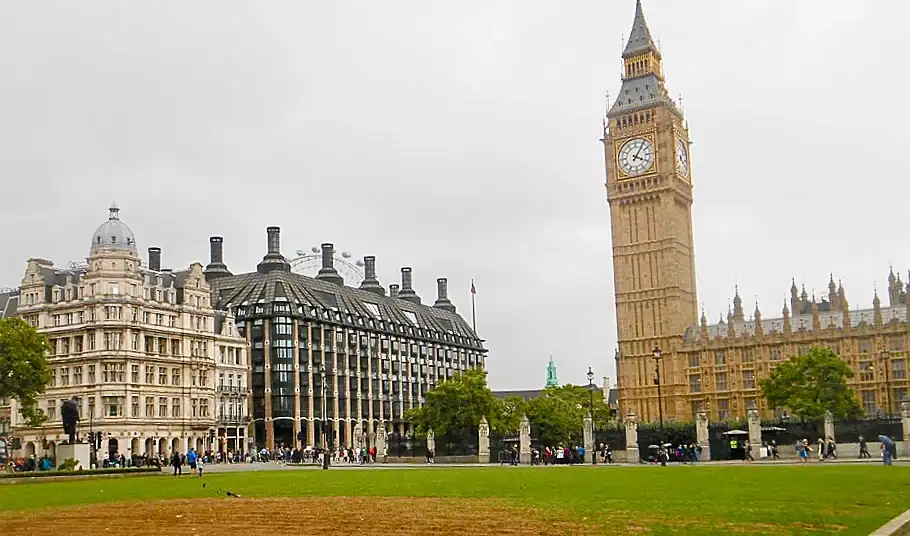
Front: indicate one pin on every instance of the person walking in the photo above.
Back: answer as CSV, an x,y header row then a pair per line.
x,y
863,448
175,461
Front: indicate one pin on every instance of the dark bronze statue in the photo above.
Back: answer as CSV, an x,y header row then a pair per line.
x,y
70,414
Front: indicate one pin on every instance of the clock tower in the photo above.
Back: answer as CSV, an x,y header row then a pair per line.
x,y
649,190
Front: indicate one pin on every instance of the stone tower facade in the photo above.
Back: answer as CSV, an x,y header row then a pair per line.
x,y
649,190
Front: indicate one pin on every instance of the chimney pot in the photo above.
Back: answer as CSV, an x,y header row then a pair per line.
x,y
370,283
273,259
369,267
274,239
442,295
393,290
216,249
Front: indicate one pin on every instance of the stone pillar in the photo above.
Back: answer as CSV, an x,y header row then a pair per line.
x,y
589,436
829,425
701,435
381,445
905,420
754,419
632,454
483,441
431,441
358,436
525,441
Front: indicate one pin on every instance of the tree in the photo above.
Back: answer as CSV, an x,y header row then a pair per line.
x,y
559,412
811,384
23,367
455,406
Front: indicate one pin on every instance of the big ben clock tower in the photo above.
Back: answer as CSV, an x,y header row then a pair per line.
x,y
649,190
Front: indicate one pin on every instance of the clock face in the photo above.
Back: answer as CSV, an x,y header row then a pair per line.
x,y
636,156
682,157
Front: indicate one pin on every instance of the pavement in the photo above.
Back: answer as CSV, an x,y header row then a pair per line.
x,y
278,466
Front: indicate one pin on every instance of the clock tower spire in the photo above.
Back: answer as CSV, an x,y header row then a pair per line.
x,y
649,190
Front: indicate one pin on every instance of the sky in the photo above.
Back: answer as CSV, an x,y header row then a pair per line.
x,y
462,139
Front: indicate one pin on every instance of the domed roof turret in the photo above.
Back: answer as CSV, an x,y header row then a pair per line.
x,y
114,234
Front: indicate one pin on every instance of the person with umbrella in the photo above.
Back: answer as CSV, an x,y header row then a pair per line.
x,y
888,449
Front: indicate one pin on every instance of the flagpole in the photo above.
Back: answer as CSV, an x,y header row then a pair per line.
x,y
473,310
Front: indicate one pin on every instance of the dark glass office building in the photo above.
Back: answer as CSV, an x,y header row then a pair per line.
x,y
328,357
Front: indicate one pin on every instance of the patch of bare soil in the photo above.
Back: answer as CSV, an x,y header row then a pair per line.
x,y
386,516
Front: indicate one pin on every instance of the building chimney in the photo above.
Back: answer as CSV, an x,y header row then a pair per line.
x,y
328,272
393,290
155,259
370,283
407,291
273,260
216,267
442,296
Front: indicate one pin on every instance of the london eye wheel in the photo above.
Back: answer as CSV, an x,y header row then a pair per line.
x,y
309,262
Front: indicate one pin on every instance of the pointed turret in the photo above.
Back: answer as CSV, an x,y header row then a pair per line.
x,y
738,314
816,318
704,325
640,41
877,310
757,316
731,331
788,326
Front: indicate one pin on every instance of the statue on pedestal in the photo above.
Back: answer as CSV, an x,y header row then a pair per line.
x,y
552,380
69,413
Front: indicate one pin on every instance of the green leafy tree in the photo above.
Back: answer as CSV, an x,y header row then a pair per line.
x,y
559,413
23,367
811,384
455,406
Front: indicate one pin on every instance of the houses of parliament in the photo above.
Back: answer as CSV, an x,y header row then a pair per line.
x,y
713,368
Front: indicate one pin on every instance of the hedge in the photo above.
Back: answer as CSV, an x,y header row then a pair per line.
x,y
90,472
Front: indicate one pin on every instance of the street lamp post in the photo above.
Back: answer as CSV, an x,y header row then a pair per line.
x,y
591,409
886,363
325,436
660,404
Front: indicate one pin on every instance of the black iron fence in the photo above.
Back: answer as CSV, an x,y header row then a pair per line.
x,y
849,431
674,433
402,446
458,445
612,434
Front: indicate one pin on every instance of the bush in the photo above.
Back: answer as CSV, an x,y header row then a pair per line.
x,y
69,464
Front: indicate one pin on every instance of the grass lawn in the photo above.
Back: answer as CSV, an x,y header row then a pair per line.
x,y
769,500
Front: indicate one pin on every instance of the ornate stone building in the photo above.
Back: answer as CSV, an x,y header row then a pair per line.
x,y
649,189
333,361
9,300
141,348
715,368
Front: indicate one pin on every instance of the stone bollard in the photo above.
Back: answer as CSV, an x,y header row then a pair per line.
x,y
381,443
483,441
701,435
829,425
524,453
589,438
754,419
632,453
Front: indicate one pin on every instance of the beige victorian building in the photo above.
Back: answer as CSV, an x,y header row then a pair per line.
x,y
154,368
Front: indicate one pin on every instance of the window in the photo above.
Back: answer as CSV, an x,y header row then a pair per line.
x,y
900,395
149,406
695,383
869,403
750,404
898,369
149,374
720,381
203,407
866,372
162,407
135,407
697,406
896,344
91,374
162,376
748,379
175,407
864,346
748,355
64,376
113,406
105,373
134,373
175,376
723,408
77,375
693,360
720,358
804,349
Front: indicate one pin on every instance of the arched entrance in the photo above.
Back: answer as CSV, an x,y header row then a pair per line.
x,y
175,445
52,450
134,447
200,445
113,447
149,447
162,447
29,449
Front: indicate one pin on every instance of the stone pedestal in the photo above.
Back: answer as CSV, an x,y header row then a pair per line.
x,y
81,452
524,453
483,441
905,421
632,452
701,435
381,443
589,437
754,420
829,425
358,435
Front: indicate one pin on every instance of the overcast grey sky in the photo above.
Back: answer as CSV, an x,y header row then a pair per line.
x,y
460,139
